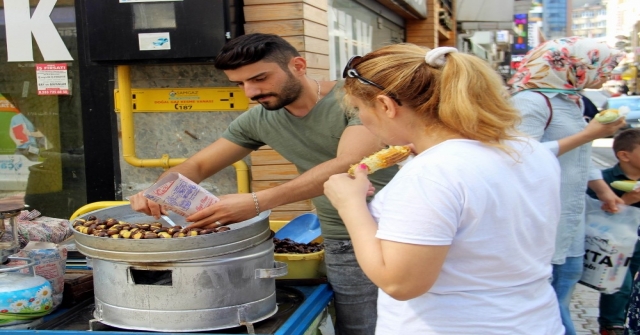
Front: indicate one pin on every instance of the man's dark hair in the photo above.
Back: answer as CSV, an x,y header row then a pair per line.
x,y
252,48
626,140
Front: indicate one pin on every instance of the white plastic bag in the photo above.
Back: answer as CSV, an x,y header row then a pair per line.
x,y
609,244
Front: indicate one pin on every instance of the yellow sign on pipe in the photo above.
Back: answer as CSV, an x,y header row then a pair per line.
x,y
201,99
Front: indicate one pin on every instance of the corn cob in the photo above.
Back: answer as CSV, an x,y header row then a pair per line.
x,y
383,159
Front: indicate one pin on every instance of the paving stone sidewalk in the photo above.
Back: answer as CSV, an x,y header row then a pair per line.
x,y
584,310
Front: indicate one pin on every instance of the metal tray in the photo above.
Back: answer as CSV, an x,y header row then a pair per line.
x,y
242,235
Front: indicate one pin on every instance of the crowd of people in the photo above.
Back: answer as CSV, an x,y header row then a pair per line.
x,y
482,231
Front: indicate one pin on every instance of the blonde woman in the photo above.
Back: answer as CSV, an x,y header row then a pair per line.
x,y
460,241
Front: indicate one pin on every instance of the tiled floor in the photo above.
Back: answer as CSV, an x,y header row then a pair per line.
x,y
584,310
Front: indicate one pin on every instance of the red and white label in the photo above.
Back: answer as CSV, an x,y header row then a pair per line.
x,y
52,79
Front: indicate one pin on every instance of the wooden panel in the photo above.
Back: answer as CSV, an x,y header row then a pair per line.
x,y
316,61
422,38
318,74
304,205
296,41
293,27
296,206
421,33
267,157
285,216
322,4
315,14
316,45
266,2
259,185
317,30
310,44
282,28
443,34
429,26
273,172
283,11
453,36
419,29
425,41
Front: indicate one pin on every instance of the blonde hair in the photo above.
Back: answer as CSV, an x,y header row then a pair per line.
x,y
464,96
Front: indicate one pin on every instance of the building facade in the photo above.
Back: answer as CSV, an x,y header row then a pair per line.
x,y
556,18
62,145
621,18
590,20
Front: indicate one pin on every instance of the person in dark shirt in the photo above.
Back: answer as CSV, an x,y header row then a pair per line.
x,y
590,109
624,89
613,307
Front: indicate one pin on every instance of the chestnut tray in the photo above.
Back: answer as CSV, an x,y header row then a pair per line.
x,y
242,235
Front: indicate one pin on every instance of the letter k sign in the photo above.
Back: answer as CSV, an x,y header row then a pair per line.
x,y
20,25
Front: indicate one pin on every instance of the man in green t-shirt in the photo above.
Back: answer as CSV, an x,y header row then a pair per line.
x,y
302,119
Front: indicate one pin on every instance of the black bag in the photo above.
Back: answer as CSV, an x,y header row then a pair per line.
x,y
590,109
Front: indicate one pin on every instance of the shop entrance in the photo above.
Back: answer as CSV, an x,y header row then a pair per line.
x,y
42,150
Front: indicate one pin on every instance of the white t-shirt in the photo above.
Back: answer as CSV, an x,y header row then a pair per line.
x,y
499,215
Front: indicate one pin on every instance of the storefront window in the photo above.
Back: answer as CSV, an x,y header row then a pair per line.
x,y
41,144
356,30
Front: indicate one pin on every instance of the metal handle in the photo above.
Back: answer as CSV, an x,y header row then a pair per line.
x,y
29,264
279,269
95,206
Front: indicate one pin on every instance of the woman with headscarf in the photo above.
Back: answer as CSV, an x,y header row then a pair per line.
x,y
545,91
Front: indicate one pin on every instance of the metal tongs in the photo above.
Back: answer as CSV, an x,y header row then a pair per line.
x,y
168,220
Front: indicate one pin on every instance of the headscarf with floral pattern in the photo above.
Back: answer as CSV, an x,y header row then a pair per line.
x,y
570,64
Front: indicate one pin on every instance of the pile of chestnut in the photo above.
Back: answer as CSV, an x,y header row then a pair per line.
x,y
113,228
288,246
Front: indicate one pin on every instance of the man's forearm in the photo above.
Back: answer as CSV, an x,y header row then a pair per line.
x,y
356,143
306,186
202,166
186,169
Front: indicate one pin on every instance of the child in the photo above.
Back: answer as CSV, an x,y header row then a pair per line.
x,y
626,146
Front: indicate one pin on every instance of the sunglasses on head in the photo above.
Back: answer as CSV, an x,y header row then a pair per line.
x,y
350,71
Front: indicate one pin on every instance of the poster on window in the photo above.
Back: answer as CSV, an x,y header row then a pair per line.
x,y
52,79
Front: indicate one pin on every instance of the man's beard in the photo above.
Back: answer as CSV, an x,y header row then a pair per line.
x,y
290,92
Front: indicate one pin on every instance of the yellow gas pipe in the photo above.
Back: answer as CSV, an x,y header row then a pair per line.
x,y
128,140
129,148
